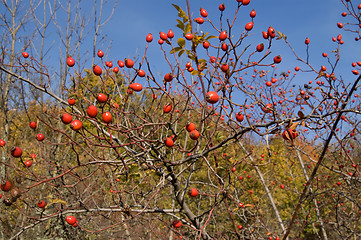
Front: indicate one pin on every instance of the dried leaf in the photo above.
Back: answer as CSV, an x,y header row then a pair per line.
x,y
300,114
320,74
202,66
303,123
289,124
59,201
287,135
248,205
293,126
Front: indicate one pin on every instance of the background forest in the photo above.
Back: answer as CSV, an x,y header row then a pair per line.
x,y
221,127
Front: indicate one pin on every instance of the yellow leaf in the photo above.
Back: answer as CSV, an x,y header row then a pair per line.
x,y
248,205
59,201
303,123
293,126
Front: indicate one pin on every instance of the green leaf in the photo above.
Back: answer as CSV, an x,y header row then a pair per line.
x,y
210,37
187,29
204,34
181,13
185,17
194,72
181,52
181,42
191,55
281,36
59,201
180,24
198,39
177,7
134,175
176,49
202,66
202,60
218,136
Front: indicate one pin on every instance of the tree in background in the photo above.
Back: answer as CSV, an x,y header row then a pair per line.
x,y
225,144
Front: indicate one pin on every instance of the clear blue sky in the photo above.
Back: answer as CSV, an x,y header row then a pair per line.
x,y
315,19
133,20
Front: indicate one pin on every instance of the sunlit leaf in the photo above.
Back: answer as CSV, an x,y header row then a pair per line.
x,y
194,72
293,126
187,28
210,37
287,135
303,123
176,49
177,7
181,42
202,66
180,24
248,205
59,201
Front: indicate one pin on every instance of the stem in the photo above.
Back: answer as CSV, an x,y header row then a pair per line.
x,y
320,160
279,219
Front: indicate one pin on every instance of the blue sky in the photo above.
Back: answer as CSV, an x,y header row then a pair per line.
x,y
133,20
315,19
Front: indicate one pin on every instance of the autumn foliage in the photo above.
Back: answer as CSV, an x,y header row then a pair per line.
x,y
224,144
